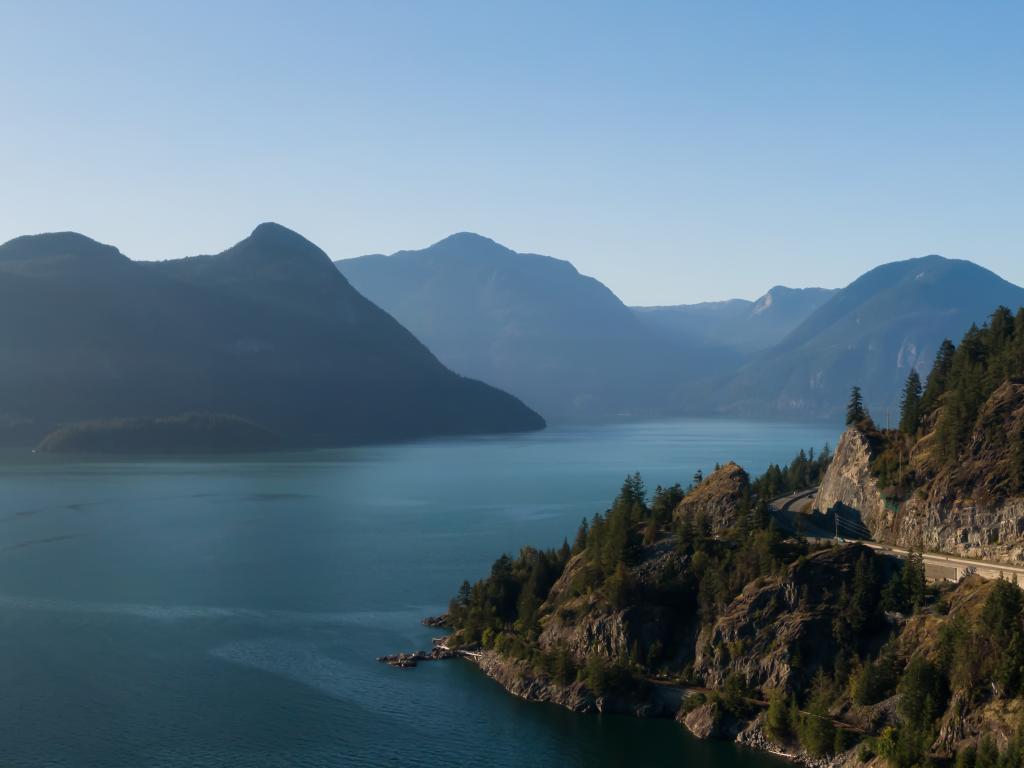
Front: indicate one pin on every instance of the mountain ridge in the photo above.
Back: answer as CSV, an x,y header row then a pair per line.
x,y
872,332
267,330
531,324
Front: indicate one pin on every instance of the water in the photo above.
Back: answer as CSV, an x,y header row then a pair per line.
x,y
228,612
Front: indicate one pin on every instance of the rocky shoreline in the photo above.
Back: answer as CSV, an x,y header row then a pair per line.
x,y
659,700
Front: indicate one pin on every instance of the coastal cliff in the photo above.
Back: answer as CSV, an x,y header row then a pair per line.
x,y
828,655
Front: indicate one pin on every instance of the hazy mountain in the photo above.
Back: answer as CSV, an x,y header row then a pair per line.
x,y
268,330
529,324
870,333
738,324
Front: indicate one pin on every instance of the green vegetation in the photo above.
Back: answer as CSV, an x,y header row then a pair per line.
x,y
938,419
504,612
805,471
855,411
986,357
910,404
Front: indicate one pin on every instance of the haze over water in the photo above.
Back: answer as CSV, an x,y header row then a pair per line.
x,y
228,612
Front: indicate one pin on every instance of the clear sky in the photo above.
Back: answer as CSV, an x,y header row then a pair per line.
x,y
676,151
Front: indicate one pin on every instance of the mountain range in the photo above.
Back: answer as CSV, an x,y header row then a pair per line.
x,y
870,333
268,331
529,324
308,353
738,324
568,347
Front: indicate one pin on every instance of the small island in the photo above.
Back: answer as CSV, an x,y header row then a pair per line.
x,y
193,433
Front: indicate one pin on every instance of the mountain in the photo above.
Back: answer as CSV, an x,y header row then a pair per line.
x,y
870,333
267,331
738,324
531,325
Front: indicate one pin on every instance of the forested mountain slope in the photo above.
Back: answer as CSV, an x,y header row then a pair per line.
x,y
268,330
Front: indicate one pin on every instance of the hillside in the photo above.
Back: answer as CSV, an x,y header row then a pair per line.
x,y
872,332
268,331
831,655
737,324
533,326
952,476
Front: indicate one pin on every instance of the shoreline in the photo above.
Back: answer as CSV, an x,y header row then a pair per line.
x,y
661,701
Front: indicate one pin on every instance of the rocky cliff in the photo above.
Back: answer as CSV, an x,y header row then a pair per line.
x,y
523,680
849,488
717,499
586,624
962,509
778,632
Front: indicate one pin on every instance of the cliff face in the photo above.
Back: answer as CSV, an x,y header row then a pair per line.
x,y
778,632
960,510
717,499
849,489
520,679
587,625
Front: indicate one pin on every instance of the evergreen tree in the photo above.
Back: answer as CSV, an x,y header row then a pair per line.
x,y
855,412
463,597
910,404
581,537
938,379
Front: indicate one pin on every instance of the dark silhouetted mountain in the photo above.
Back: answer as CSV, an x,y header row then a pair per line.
x,y
870,333
529,324
738,324
186,434
268,331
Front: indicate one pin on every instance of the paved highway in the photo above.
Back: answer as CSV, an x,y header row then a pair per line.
x,y
794,513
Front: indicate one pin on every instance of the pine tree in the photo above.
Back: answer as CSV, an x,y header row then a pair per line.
x,y
938,379
581,537
910,404
855,412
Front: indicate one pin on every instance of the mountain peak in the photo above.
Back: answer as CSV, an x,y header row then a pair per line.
x,y
271,244
60,245
469,243
272,234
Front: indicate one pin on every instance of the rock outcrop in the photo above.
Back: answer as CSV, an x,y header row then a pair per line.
x,y
964,509
520,679
710,720
778,632
717,499
587,625
849,488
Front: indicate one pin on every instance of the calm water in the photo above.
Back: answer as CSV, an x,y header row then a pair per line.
x,y
228,612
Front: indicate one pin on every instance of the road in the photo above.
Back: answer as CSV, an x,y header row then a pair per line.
x,y
794,513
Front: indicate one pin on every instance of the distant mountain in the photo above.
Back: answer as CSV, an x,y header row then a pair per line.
x,y
870,333
738,324
268,331
186,434
529,324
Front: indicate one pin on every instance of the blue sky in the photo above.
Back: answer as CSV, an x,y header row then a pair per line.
x,y
676,151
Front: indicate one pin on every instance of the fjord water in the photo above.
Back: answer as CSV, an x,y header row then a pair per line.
x,y
228,611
